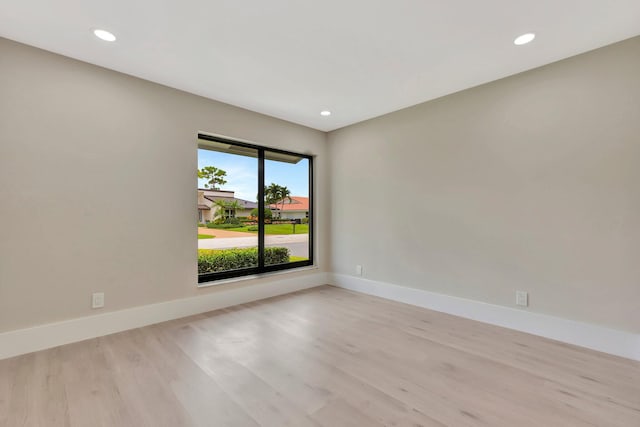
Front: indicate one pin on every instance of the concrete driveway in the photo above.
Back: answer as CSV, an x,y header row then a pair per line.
x,y
222,233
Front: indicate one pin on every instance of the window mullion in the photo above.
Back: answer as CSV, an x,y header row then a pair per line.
x,y
261,208
311,216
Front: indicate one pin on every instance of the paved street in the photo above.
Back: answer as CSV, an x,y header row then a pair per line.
x,y
298,244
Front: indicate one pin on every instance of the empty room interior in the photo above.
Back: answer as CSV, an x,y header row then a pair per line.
x,y
339,213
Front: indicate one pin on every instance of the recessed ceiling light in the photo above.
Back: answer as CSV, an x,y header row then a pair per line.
x,y
524,39
105,35
325,113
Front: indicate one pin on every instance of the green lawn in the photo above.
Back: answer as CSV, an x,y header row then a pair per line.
x,y
276,229
286,229
205,236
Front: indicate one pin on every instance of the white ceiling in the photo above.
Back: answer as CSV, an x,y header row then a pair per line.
x,y
293,58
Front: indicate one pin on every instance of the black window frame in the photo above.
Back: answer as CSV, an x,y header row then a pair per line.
x,y
261,268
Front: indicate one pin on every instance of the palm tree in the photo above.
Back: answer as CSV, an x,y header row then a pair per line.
x,y
276,195
272,194
233,207
221,211
285,194
226,209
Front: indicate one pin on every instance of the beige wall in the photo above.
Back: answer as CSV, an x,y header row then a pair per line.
x,y
243,212
527,183
81,149
531,183
293,215
207,216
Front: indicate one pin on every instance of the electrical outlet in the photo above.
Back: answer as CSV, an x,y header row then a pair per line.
x,y
97,300
522,298
359,270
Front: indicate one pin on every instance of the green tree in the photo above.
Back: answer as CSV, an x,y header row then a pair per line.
x,y
214,177
221,210
267,213
276,195
272,193
233,207
285,194
226,210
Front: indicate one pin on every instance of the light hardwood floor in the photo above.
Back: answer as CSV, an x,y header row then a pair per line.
x,y
322,357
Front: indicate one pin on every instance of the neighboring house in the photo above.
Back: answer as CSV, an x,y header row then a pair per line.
x,y
207,210
296,208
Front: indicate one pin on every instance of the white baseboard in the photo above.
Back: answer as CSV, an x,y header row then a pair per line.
x,y
21,341
620,343
612,341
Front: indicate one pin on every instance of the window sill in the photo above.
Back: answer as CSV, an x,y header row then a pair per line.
x,y
255,276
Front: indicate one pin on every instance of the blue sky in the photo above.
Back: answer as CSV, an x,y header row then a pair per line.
x,y
242,174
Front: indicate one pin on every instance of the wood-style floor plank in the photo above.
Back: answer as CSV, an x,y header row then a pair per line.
x,y
321,357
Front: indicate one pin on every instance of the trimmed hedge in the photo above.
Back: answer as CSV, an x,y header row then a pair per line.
x,y
214,260
276,255
223,226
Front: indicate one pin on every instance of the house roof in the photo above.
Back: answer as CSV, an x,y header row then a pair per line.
x,y
214,198
297,203
217,191
245,204
204,207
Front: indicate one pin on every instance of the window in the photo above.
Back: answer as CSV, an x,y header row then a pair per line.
x,y
255,209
